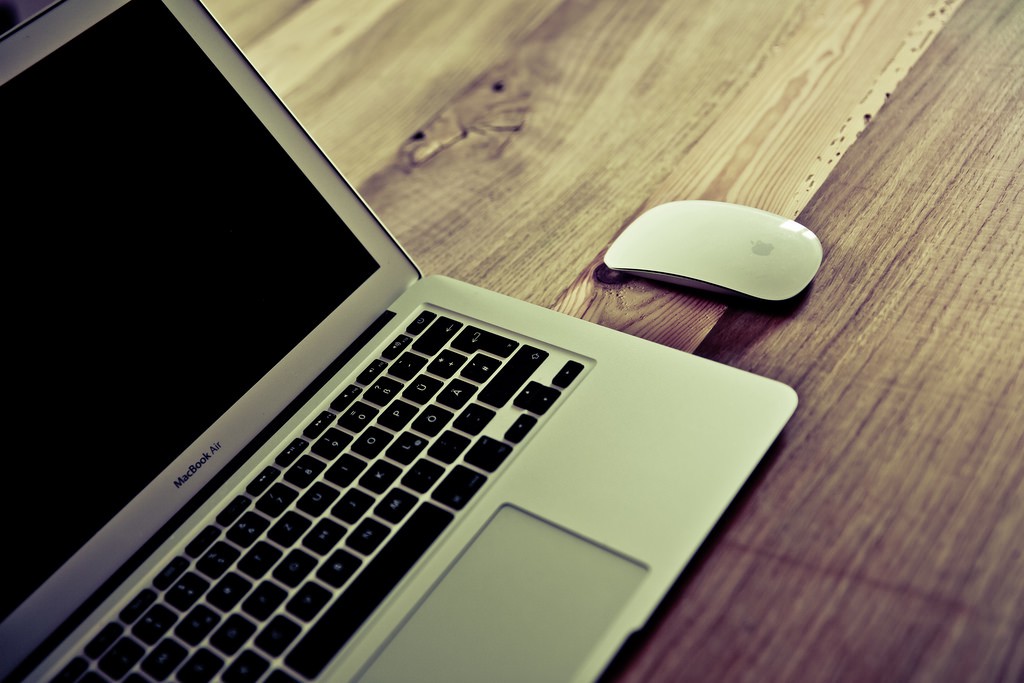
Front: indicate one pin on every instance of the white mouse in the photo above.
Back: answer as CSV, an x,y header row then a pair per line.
x,y
720,247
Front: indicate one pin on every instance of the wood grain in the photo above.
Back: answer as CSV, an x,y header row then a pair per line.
x,y
447,116
885,538
590,82
363,77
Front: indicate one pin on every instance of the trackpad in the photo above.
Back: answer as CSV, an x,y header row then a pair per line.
x,y
526,601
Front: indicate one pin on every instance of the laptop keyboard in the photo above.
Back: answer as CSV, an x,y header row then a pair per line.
x,y
276,584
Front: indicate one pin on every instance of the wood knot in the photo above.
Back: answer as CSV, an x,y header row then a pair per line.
x,y
607,276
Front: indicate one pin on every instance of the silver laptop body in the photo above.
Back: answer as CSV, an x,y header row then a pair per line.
x,y
519,532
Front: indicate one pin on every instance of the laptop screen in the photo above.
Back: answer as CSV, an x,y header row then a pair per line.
x,y
163,253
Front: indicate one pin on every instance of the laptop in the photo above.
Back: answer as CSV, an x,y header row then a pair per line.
x,y
259,444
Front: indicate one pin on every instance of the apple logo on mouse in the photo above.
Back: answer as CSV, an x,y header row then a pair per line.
x,y
761,248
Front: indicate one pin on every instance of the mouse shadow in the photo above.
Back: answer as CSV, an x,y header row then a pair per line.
x,y
745,323
781,308
733,301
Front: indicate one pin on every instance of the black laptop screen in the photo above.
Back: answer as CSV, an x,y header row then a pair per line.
x,y
162,254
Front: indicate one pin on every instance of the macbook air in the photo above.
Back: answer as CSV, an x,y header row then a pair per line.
x,y
256,443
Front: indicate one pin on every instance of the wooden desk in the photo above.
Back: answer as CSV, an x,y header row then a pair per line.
x,y
507,143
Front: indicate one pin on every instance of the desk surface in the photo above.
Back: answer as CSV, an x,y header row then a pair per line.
x,y
507,143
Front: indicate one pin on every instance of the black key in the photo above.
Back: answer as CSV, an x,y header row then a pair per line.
x,y
358,416
382,391
512,376
276,500
473,419
569,372
331,443
446,364
310,599
218,559
367,536
202,541
520,428
339,568
291,451
324,536
394,506
448,447
154,624
420,323
228,591
107,636
372,442
277,635
260,558
345,471
196,624
379,477
247,529
235,630
352,506
294,568
406,447
343,400
170,573
458,487
456,394
233,509
348,613
136,607
422,475
258,485
202,667
164,659
488,453
481,368
473,339
304,471
262,602
185,593
422,389
245,668
432,420
436,336
75,668
289,528
407,365
536,398
397,346
372,371
397,415
121,658
319,424
317,499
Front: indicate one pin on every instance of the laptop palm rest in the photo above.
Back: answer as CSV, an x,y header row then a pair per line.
x,y
526,601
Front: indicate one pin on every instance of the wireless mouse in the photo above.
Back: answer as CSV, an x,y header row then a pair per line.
x,y
719,247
